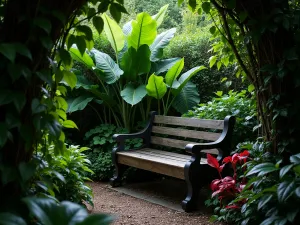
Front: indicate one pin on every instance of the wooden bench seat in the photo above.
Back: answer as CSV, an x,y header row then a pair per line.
x,y
168,132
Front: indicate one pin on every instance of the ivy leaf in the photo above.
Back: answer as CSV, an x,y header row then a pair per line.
x,y
98,23
69,124
81,44
70,78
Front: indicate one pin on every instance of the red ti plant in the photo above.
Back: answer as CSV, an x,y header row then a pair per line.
x,y
228,187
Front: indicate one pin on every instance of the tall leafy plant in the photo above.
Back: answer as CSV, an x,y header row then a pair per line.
x,y
135,77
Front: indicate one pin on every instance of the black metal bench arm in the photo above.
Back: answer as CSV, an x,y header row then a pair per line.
x,y
222,143
145,134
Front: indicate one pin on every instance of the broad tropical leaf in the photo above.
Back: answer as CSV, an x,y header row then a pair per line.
x,y
110,71
136,62
133,95
70,78
162,66
187,98
161,41
85,58
156,86
184,78
173,73
114,33
143,31
159,17
78,103
127,28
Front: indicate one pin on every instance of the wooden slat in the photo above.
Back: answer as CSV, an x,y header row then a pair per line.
x,y
190,122
168,163
201,135
154,164
169,142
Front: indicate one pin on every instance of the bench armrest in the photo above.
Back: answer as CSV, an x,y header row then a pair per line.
x,y
123,137
197,148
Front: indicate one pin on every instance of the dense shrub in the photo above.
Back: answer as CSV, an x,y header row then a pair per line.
x,y
194,47
238,104
101,144
63,176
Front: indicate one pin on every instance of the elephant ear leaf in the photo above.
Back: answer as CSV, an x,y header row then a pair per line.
x,y
85,58
133,95
173,73
156,86
108,70
114,33
161,41
187,98
143,31
159,17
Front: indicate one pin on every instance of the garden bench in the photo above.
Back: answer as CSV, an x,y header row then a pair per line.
x,y
172,132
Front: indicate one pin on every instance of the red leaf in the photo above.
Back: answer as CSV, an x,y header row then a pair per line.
x,y
212,161
244,153
227,159
232,207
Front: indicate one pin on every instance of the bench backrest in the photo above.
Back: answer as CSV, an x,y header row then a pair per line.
x,y
177,132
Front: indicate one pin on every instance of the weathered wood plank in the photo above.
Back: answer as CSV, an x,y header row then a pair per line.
x,y
190,122
165,154
170,142
201,135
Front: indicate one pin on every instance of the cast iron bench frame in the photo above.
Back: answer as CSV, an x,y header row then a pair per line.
x,y
194,170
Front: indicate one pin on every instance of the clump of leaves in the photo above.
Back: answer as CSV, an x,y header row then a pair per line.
x,y
100,141
64,176
240,104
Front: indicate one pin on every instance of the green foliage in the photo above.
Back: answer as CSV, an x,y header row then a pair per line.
x,y
63,176
239,104
100,141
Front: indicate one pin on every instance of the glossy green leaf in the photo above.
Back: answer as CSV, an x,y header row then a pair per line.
x,y
156,87
114,12
133,95
159,17
135,63
111,71
285,190
187,98
114,33
160,42
143,31
85,58
9,51
11,219
85,30
295,158
81,44
70,78
98,23
284,170
78,103
173,73
262,169
251,88
212,60
65,57
69,124
164,65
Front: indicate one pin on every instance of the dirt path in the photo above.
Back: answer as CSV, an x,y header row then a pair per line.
x,y
132,211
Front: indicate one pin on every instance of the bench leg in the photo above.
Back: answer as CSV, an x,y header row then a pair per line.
x,y
192,178
116,180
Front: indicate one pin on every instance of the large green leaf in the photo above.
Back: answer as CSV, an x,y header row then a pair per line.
x,y
184,78
161,41
187,98
136,62
85,58
11,219
156,86
162,66
173,73
114,33
143,31
133,95
70,78
110,71
127,28
159,17
78,103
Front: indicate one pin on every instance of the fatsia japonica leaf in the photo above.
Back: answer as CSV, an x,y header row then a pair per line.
x,y
114,33
85,58
136,62
110,72
173,73
163,65
159,17
161,41
187,98
143,31
156,86
133,95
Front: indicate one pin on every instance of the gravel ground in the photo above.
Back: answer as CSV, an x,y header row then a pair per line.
x,y
132,211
